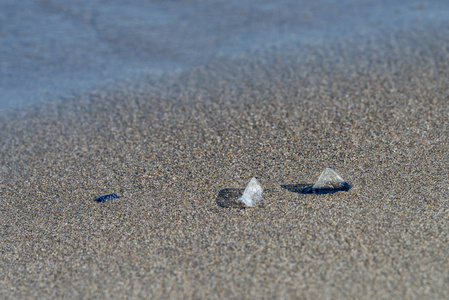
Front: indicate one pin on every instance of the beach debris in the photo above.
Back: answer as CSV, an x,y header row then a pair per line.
x,y
329,182
252,193
105,198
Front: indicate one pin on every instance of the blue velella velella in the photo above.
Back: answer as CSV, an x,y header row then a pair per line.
x,y
105,198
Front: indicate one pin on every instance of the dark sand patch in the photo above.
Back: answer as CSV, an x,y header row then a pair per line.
x,y
376,109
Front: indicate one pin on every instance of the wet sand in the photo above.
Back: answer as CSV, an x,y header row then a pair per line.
x,y
176,149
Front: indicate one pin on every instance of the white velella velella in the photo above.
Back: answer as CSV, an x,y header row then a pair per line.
x,y
330,182
252,193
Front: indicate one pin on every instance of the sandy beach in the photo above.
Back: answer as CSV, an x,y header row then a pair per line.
x,y
176,148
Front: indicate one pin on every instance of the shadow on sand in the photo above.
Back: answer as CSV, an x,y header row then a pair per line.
x,y
227,198
302,188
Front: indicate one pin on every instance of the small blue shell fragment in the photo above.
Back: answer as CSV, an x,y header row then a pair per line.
x,y
105,198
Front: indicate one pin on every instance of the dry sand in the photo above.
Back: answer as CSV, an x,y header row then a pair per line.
x,y
375,109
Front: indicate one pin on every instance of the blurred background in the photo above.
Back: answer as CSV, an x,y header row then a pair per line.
x,y
52,49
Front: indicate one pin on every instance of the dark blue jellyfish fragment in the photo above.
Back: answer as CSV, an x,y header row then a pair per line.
x,y
105,198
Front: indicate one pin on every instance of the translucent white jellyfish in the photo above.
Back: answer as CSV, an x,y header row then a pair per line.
x,y
252,193
330,182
